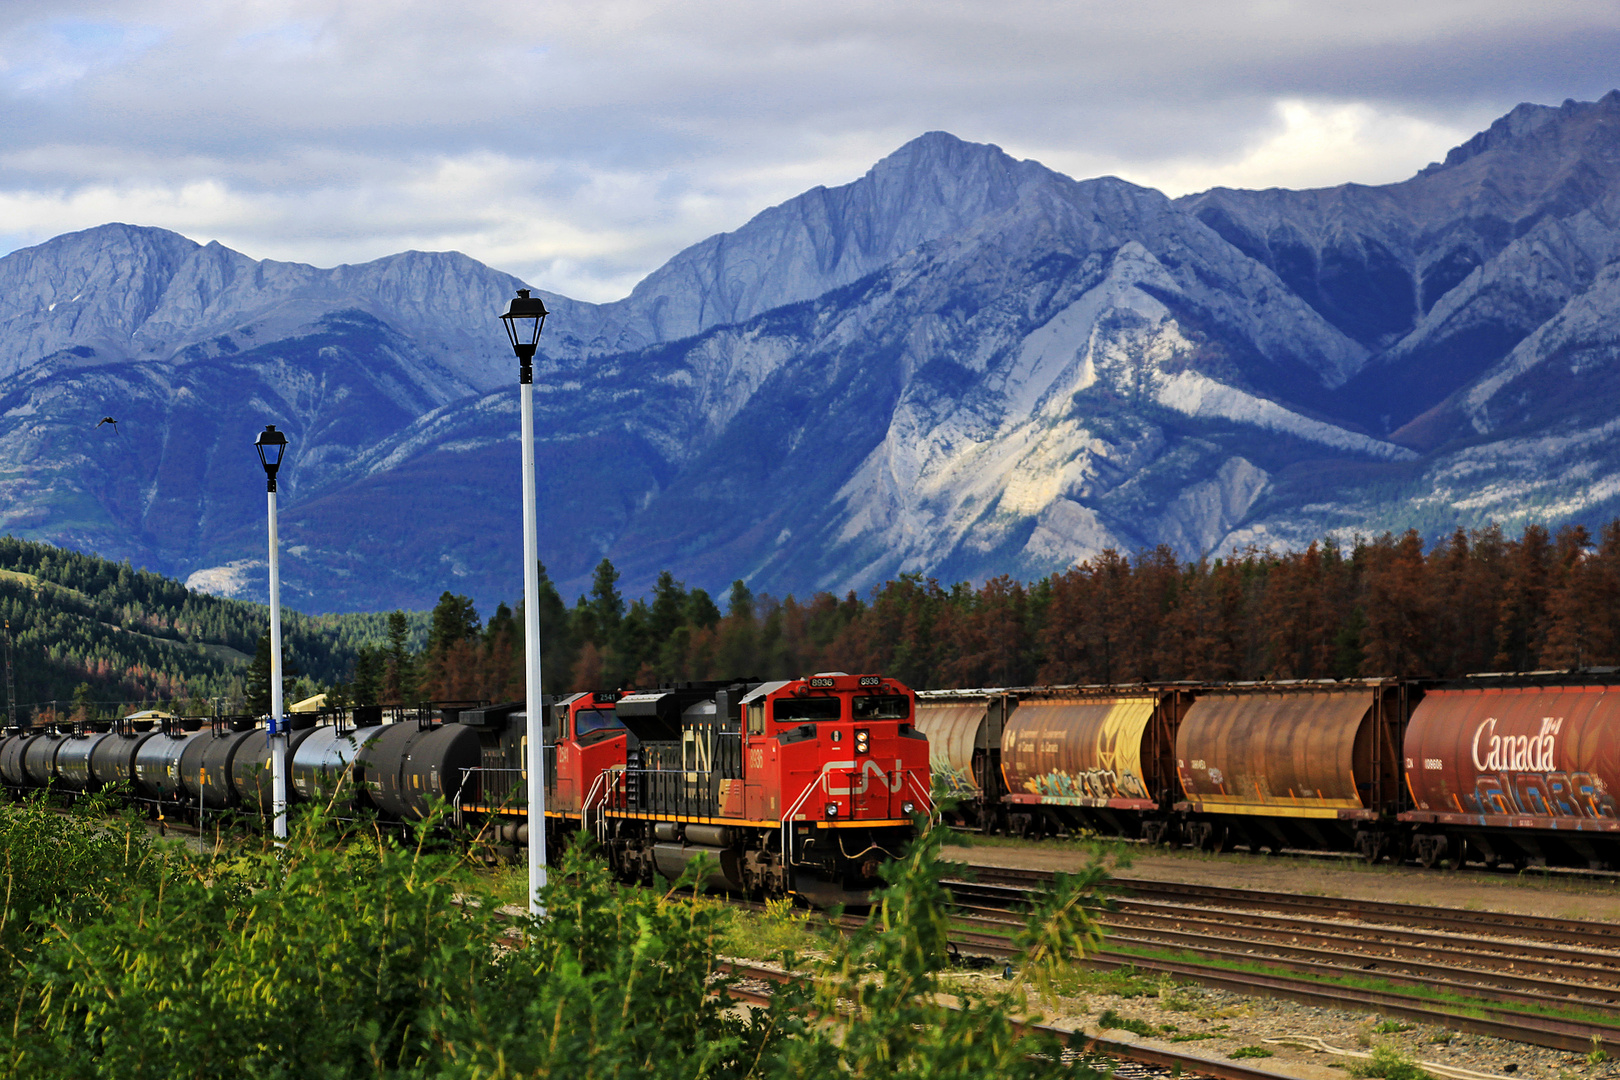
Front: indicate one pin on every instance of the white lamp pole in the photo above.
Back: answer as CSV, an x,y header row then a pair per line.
x,y
272,446
524,318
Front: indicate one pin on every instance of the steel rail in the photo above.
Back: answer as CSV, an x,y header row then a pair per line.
x,y
1488,954
1475,982
1536,1029
1351,950
1158,1057
1504,949
1548,928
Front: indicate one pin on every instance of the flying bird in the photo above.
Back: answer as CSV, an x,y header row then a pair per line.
x,y
109,420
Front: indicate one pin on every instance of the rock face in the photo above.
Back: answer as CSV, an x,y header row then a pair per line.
x,y
960,365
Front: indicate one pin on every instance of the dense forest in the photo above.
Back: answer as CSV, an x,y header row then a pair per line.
x,y
85,628
1477,601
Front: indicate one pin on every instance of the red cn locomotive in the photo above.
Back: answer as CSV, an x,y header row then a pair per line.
x,y
802,786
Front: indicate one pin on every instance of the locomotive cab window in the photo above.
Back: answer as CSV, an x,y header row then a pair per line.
x,y
881,707
589,720
756,718
806,708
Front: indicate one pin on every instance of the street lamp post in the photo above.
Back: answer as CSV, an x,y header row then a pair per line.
x,y
272,447
524,318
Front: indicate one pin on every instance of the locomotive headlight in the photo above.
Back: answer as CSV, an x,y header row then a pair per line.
x,y
863,741
908,808
832,809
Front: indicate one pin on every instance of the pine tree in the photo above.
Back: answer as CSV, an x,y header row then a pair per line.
x,y
448,666
400,684
368,676
258,680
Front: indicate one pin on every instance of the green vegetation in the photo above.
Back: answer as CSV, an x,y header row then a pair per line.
x,y
1477,601
1390,1064
1251,1052
129,636
133,958
1113,1021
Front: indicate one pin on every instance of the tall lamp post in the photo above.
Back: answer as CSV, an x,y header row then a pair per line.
x,y
524,318
272,447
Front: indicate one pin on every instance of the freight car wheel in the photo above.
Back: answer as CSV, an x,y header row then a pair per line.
x,y
1427,850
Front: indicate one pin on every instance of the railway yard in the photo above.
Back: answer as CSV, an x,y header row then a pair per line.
x,y
1307,968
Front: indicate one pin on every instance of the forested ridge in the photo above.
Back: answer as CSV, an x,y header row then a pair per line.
x,y
1477,601
99,630
1388,605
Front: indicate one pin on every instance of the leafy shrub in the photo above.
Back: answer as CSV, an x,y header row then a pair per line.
x,y
1390,1064
351,959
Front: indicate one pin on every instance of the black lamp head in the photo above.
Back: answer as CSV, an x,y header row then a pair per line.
x,y
272,447
525,317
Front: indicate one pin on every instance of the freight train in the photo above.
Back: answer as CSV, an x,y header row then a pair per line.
x,y
1511,770
800,786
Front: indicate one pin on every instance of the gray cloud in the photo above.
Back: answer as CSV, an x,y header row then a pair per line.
x,y
580,145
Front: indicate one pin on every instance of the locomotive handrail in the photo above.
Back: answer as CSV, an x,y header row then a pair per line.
x,y
787,818
601,782
933,810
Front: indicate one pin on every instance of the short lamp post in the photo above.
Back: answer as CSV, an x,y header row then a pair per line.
x,y
272,447
524,318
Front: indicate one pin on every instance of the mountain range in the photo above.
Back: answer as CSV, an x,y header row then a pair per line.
x,y
960,364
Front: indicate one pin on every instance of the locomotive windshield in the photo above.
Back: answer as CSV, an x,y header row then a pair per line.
x,y
807,708
881,707
588,720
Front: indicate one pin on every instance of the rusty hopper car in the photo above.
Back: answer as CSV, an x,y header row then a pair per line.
x,y
1515,770
964,729
1294,765
1093,758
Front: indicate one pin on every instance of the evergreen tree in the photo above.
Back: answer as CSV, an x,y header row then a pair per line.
x,y
400,685
701,611
606,603
559,642
83,707
449,666
368,676
454,619
258,680
668,610
740,606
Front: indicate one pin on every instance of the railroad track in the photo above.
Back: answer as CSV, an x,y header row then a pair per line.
x,y
1472,868
1549,982
1147,1062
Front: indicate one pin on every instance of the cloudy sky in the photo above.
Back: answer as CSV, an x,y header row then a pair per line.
x,y
581,144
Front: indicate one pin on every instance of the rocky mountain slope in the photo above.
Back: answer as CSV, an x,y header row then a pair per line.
x,y
960,364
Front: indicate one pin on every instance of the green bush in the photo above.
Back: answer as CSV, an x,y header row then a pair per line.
x,y
350,958
1390,1064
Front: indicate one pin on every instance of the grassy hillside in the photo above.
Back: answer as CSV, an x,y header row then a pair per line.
x,y
135,636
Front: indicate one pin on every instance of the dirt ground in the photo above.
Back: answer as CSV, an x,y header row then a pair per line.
x,y
1531,892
